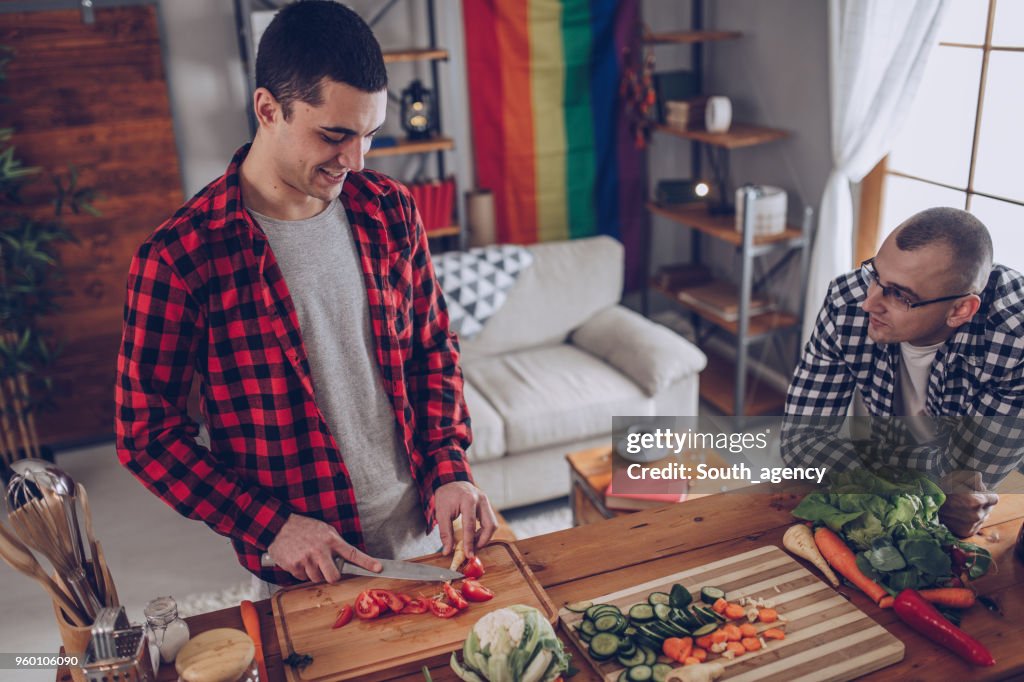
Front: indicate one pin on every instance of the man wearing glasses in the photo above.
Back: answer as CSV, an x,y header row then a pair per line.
x,y
928,329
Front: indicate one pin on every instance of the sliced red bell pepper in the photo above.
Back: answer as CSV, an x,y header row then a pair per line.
x,y
920,615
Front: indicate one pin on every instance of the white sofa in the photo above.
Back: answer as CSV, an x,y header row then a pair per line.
x,y
557,361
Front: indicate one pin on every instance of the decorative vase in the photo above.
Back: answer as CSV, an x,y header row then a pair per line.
x,y
718,114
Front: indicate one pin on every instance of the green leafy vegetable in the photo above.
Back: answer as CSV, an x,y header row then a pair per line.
x,y
891,519
514,644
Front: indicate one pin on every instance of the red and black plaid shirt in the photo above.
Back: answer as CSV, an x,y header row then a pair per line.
x,y
206,296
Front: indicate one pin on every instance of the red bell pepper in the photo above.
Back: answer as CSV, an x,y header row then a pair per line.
x,y
920,615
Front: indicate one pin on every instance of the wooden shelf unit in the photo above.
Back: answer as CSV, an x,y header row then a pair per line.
x,y
425,54
738,136
407,146
720,227
689,37
759,324
716,387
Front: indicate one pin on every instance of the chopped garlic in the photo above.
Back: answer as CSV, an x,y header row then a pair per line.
x,y
776,587
729,654
751,614
718,647
768,604
764,644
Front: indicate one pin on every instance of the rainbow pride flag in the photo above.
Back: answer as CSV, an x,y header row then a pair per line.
x,y
549,137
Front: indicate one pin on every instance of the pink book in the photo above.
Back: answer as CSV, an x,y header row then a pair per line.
x,y
635,501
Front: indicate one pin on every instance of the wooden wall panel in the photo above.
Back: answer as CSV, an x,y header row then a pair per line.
x,y
94,96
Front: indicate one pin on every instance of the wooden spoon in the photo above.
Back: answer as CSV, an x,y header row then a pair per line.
x,y
90,538
20,559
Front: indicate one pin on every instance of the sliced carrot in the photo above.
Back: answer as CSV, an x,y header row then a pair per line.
x,y
690,660
705,642
773,633
767,615
748,630
842,559
700,654
677,648
717,637
736,648
732,633
886,602
734,612
751,643
719,605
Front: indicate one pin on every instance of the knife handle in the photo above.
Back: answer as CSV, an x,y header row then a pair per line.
x,y
267,562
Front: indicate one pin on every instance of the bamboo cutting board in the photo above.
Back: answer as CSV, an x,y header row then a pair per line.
x,y
392,644
827,637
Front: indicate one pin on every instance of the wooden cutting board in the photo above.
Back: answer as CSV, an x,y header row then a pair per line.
x,y
827,637
397,644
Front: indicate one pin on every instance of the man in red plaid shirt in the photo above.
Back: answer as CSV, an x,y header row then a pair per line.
x,y
298,286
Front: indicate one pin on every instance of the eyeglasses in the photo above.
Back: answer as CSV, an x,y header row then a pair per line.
x,y
897,296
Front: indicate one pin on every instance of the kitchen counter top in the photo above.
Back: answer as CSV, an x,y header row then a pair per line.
x,y
576,564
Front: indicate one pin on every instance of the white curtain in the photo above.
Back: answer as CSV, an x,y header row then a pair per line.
x,y
877,53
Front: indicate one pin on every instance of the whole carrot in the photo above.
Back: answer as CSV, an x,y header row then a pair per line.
x,y
954,597
251,621
841,558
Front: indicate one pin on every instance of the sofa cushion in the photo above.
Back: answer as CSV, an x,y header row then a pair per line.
x,y
648,353
554,394
567,284
488,426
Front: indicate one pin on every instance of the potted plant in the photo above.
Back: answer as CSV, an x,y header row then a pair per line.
x,y
30,286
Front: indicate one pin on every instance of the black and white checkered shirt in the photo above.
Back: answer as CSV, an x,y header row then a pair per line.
x,y
975,389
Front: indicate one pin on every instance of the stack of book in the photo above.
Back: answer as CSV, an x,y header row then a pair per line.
x,y
722,299
685,114
435,200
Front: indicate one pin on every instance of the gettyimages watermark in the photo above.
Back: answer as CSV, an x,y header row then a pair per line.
x,y
675,457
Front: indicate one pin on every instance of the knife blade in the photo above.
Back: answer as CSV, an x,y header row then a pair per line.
x,y
393,568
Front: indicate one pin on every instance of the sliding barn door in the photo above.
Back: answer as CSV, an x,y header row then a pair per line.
x,y
93,95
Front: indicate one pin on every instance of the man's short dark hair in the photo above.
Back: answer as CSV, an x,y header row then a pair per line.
x,y
310,40
966,237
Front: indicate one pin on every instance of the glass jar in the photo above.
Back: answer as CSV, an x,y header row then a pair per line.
x,y
167,632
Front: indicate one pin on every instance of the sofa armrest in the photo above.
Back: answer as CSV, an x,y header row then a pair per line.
x,y
652,355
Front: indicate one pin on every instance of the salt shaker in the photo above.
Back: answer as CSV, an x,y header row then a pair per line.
x,y
167,632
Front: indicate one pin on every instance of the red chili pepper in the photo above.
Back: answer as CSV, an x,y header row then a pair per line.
x,y
913,610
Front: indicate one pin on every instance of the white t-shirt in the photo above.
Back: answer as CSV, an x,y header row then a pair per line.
x,y
912,388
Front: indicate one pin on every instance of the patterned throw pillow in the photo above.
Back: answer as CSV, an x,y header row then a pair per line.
x,y
476,282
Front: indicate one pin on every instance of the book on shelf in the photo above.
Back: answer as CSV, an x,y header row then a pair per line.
x,y
722,299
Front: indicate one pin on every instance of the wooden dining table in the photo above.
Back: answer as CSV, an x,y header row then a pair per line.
x,y
596,559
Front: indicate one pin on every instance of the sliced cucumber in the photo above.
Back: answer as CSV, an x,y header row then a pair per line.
x,y
603,646
684,619
662,611
641,613
609,622
651,654
640,673
636,658
627,647
623,676
709,595
705,615
579,606
680,596
587,627
597,609
660,672
705,629
655,598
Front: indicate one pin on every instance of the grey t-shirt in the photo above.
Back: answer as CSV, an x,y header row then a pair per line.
x,y
320,263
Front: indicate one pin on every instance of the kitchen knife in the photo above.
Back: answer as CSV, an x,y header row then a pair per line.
x,y
400,570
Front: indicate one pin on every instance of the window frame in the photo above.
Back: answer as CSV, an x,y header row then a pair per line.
x,y
872,187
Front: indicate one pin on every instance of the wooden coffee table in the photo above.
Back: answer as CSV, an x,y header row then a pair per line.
x,y
590,472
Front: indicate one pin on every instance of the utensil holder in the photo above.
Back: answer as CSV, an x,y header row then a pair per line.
x,y
75,640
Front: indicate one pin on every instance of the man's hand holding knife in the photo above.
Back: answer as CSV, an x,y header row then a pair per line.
x,y
306,547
